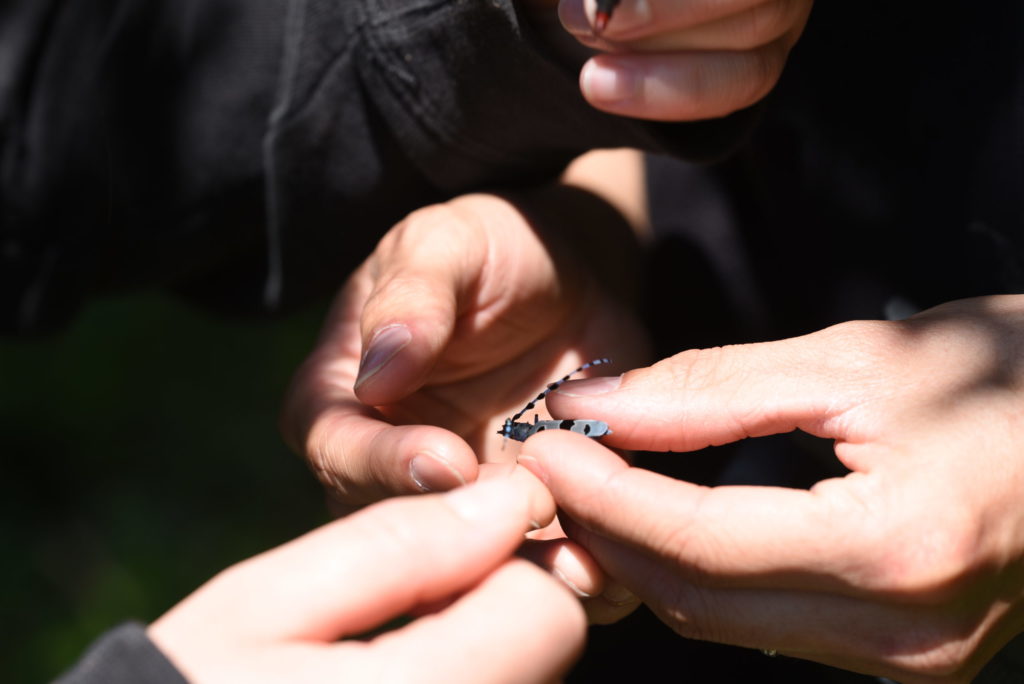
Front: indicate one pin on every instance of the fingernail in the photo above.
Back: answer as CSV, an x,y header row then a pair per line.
x,y
383,347
618,595
433,474
534,466
568,566
574,18
608,82
591,387
560,576
632,16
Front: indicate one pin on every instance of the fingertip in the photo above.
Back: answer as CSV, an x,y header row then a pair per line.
x,y
362,459
541,504
613,605
432,459
609,83
684,86
616,594
406,324
570,564
384,345
496,502
398,359
573,17
430,473
565,461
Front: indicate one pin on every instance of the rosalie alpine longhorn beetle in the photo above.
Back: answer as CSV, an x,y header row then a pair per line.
x,y
521,431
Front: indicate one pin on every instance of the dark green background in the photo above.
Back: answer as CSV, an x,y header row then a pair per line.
x,y
140,456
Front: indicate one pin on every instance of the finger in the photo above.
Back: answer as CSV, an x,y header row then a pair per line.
x,y
355,574
568,562
634,18
709,397
362,459
686,86
750,28
615,603
865,636
410,313
841,536
358,456
605,601
517,625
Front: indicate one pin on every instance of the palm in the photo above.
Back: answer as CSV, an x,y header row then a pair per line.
x,y
474,400
497,311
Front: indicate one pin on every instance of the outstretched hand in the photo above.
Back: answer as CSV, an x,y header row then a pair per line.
x,y
463,312
911,566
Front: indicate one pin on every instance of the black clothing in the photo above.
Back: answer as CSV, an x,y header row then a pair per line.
x,y
124,655
885,172
885,176
251,153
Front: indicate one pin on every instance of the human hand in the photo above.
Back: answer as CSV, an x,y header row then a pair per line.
x,y
911,566
683,61
461,314
279,616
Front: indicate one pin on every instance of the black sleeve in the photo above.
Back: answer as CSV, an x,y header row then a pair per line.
x,y
130,144
124,655
251,153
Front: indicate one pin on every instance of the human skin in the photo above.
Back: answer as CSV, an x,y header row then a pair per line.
x,y
491,297
679,60
480,302
911,566
280,616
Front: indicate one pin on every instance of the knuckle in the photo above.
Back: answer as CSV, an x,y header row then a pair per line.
x,y
421,230
860,349
930,563
327,456
913,557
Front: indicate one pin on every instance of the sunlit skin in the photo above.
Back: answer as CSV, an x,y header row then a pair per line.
x,y
911,566
490,306
917,553
291,613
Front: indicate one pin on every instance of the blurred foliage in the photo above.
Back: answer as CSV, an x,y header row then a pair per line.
x,y
140,456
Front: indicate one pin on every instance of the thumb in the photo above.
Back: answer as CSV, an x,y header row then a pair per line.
x,y
411,310
707,397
